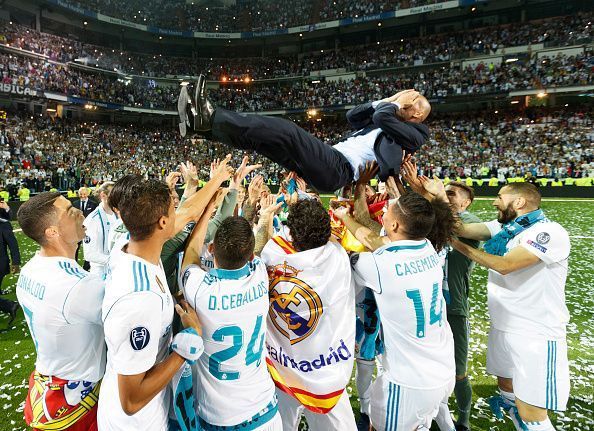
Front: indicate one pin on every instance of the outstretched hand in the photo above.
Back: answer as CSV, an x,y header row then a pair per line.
x,y
221,169
243,171
393,98
269,206
434,186
254,189
189,172
341,212
410,175
367,172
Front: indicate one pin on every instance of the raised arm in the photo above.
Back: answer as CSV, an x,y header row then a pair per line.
x,y
476,231
361,211
364,235
518,258
196,240
193,207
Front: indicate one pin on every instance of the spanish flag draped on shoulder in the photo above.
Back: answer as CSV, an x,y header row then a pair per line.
x,y
311,322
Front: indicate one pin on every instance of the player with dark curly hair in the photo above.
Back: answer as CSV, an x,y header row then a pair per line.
x,y
311,320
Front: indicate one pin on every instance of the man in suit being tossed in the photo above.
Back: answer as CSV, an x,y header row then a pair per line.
x,y
384,129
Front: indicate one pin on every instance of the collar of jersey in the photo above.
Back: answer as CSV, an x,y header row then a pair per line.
x,y
231,274
406,245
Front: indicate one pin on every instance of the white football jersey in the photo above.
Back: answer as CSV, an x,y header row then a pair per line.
x,y
206,259
118,236
62,306
406,277
96,242
311,333
532,300
232,374
137,315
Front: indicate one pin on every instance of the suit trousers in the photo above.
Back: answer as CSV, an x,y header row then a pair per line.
x,y
285,143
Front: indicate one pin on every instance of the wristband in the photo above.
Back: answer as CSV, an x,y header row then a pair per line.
x,y
188,344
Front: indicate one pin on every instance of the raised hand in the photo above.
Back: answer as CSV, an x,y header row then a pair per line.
x,y
393,98
393,187
407,99
367,172
434,186
172,179
243,171
221,169
189,172
254,189
269,206
409,173
341,212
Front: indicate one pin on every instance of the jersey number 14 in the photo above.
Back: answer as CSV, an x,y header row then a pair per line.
x,y
434,317
253,353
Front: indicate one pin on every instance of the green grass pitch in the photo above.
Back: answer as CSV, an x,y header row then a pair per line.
x,y
17,354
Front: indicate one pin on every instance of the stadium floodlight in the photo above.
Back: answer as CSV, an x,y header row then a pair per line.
x,y
511,60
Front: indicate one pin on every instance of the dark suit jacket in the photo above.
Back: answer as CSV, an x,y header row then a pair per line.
x,y
396,135
91,205
8,241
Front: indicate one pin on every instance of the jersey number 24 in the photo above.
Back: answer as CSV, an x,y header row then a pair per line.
x,y
252,354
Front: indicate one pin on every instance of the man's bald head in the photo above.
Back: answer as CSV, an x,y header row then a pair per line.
x,y
415,110
422,108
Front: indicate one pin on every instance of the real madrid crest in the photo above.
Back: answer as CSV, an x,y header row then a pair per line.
x,y
295,308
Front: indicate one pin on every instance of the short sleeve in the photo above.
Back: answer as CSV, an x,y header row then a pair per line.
x,y
190,282
366,271
494,227
83,303
548,241
133,331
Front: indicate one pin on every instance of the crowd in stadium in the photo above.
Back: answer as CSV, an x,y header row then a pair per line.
x,y
41,153
257,15
559,71
568,30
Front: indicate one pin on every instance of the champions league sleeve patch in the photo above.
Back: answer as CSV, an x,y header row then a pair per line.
x,y
139,337
543,238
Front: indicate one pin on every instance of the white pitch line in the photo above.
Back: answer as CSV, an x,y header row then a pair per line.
x,y
581,237
543,199
18,230
487,198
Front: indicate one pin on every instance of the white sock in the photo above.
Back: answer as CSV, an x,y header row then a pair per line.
x,y
545,425
508,396
444,418
363,379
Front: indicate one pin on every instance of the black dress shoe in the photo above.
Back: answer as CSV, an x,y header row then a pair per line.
x,y
13,312
460,427
204,110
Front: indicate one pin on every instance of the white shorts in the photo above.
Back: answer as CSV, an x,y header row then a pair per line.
x,y
538,367
340,418
395,407
274,424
